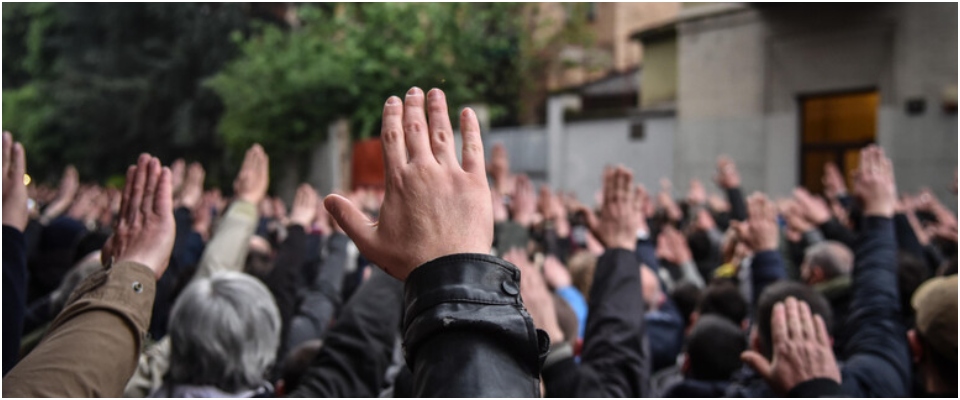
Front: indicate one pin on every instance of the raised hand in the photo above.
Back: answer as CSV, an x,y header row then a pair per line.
x,y
802,349
433,206
665,201
874,183
812,208
672,246
499,170
177,171
556,273
254,177
696,195
759,232
727,175
552,208
15,213
524,202
192,188
145,229
536,296
69,184
833,183
304,206
622,210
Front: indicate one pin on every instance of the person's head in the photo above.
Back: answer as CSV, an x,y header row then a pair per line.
x,y
911,272
295,365
825,261
686,296
723,298
650,284
713,349
581,267
761,337
259,261
933,341
224,332
84,268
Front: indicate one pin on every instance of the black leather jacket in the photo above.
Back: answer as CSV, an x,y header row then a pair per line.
x,y
465,334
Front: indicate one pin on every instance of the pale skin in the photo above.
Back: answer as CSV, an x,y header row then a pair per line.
x,y
254,177
536,296
759,232
433,205
15,213
874,183
304,206
802,349
144,231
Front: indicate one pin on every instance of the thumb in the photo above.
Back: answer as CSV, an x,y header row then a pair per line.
x,y
758,362
353,221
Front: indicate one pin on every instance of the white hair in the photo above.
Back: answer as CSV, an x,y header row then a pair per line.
x,y
224,332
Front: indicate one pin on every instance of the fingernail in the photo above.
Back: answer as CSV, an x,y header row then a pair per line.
x,y
393,101
435,94
466,112
414,91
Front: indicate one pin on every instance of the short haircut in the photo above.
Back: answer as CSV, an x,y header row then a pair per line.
x,y
946,367
778,292
686,296
833,258
714,348
911,273
582,265
224,332
722,297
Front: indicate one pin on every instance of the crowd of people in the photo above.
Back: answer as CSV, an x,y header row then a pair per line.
x,y
460,278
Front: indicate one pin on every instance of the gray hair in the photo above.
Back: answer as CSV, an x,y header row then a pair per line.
x,y
224,332
833,258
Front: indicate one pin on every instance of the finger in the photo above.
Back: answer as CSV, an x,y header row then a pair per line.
x,y
247,160
150,189
19,161
353,221
415,126
758,362
163,197
806,322
779,331
136,195
473,161
391,136
609,183
794,330
823,338
441,131
126,197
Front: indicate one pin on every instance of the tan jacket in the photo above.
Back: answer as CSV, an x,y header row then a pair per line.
x,y
226,251
92,346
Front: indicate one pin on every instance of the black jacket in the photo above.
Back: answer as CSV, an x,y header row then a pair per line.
x,y
465,334
615,361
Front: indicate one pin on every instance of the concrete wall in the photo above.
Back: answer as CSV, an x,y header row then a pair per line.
x,y
741,74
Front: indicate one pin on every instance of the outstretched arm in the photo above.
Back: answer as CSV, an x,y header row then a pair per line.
x,y
91,348
466,332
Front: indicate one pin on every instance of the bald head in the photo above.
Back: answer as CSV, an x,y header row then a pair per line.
x,y
825,261
652,295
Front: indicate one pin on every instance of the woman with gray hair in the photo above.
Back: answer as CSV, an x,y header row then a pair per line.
x,y
224,333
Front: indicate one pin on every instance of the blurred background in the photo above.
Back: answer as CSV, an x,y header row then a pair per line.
x,y
662,88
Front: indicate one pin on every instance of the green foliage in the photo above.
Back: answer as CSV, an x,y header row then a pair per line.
x,y
344,62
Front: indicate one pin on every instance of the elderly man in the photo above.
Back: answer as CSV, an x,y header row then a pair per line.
x,y
826,267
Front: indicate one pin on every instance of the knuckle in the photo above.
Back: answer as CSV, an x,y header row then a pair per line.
x,y
391,135
413,127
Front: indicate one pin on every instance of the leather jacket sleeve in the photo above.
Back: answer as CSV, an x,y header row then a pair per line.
x,y
466,332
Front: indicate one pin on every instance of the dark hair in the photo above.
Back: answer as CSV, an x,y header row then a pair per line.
x,y
778,292
723,298
946,367
714,348
685,296
911,272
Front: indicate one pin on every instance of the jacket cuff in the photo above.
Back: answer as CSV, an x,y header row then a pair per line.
x,y
242,209
474,293
816,387
127,289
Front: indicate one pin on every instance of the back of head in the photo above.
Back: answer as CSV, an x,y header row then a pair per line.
x,y
832,258
722,297
224,332
935,303
780,291
686,296
650,284
581,267
911,272
714,348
